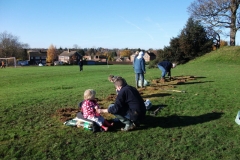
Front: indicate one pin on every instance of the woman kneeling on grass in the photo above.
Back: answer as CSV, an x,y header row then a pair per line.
x,y
90,107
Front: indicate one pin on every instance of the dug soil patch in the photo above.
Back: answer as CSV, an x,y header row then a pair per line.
x,y
156,89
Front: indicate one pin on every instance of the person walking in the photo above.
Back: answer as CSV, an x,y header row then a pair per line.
x,y
129,106
80,63
139,69
165,67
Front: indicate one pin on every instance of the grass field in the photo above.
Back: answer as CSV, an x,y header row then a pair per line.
x,y
197,124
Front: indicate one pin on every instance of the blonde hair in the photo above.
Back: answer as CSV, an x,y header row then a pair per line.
x,y
89,94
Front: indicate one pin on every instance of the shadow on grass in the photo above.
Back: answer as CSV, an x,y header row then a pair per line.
x,y
156,95
172,121
179,121
185,83
199,77
191,76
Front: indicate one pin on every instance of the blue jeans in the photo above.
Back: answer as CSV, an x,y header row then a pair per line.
x,y
125,119
141,76
163,71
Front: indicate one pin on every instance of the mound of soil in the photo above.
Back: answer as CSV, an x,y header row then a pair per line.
x,y
65,114
111,97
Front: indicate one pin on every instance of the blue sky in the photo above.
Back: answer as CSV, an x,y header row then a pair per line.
x,y
94,23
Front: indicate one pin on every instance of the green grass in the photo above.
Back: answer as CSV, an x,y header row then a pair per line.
x,y
198,124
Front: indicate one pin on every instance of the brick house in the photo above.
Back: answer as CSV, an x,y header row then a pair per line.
x,y
148,56
96,58
69,57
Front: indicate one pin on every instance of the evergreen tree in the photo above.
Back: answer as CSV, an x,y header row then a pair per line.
x,y
191,43
193,40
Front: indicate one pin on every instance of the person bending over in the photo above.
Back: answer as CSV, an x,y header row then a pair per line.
x,y
165,67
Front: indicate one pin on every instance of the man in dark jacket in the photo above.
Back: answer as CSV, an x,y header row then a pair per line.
x,y
129,106
165,67
80,63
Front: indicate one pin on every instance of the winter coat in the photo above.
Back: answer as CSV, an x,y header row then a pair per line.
x,y
129,101
166,65
139,63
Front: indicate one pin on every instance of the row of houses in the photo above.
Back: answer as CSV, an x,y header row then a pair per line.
x,y
72,57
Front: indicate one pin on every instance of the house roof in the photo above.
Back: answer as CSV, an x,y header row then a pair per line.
x,y
66,53
151,54
37,54
102,56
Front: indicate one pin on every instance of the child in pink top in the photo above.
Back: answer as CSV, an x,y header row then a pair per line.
x,y
90,110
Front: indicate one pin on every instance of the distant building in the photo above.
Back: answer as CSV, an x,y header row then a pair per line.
x,y
123,59
96,58
100,58
148,56
36,57
69,57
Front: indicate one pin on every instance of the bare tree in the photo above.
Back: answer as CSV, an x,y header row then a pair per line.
x,y
10,45
218,14
215,36
75,46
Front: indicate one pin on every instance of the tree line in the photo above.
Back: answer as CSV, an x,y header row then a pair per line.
x,y
202,33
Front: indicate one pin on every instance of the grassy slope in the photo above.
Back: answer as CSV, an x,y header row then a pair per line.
x,y
205,115
198,124
217,92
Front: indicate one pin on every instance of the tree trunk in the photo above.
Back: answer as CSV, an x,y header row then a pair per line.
x,y
232,36
233,29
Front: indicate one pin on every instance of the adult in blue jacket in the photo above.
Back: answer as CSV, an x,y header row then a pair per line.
x,y
129,106
139,69
165,67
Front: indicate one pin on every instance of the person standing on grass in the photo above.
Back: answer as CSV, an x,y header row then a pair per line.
x,y
90,107
3,65
135,56
80,63
139,69
129,106
165,67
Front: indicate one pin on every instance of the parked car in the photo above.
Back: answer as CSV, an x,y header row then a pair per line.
x,y
56,63
24,64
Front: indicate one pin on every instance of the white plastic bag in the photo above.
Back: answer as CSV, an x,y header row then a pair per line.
x,y
145,83
237,120
148,104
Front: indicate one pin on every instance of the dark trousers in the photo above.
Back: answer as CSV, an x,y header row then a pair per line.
x,y
81,68
125,119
